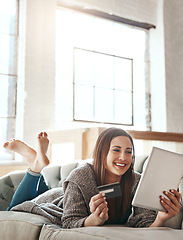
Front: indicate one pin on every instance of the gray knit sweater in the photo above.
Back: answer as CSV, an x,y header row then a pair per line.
x,y
69,207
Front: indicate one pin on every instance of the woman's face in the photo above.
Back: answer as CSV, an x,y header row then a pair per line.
x,y
119,158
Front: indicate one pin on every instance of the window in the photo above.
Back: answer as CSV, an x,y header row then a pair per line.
x,y
100,70
8,71
105,80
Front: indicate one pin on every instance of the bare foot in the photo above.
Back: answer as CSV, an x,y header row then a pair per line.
x,y
22,148
41,159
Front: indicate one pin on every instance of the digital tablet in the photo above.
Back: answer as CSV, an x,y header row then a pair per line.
x,y
163,172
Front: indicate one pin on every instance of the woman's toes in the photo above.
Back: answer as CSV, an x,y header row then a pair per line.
x,y
45,134
5,144
40,135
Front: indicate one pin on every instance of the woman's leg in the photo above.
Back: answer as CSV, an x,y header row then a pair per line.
x,y
33,183
27,189
42,186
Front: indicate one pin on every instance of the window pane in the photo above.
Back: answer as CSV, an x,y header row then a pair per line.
x,y
123,107
7,96
123,73
7,129
104,70
104,105
83,104
8,16
83,67
8,54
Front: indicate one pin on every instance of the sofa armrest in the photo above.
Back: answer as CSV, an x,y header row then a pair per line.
x,y
8,185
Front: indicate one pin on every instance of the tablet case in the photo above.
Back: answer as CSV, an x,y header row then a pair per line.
x,y
163,172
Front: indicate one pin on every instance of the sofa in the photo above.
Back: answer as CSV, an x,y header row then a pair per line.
x,y
21,225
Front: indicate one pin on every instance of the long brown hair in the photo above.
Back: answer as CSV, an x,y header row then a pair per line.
x,y
99,160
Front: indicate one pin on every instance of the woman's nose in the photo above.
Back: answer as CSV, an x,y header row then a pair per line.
x,y
122,157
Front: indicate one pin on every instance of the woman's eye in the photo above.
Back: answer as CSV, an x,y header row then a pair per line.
x,y
116,150
129,152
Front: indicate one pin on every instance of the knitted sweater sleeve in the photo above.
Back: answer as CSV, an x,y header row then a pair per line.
x,y
75,209
140,217
78,188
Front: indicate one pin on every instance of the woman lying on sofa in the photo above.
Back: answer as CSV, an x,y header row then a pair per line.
x,y
81,204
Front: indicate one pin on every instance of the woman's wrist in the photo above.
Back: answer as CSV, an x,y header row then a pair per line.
x,y
92,221
158,222
89,221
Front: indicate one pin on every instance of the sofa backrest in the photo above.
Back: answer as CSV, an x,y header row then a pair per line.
x,y
54,175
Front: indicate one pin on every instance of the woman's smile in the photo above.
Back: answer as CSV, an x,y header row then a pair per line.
x,y
120,165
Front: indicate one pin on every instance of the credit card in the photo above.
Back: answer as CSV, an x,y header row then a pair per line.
x,y
110,190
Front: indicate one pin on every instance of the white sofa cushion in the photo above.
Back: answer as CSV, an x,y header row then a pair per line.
x,y
20,225
109,232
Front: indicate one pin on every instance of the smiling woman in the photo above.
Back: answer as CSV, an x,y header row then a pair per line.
x,y
81,204
114,147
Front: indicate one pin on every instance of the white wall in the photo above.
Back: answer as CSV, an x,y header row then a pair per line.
x,y
36,68
173,19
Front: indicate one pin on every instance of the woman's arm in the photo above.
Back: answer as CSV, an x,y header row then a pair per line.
x,y
77,214
171,205
74,208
